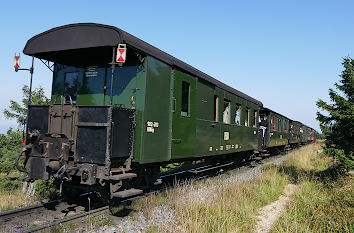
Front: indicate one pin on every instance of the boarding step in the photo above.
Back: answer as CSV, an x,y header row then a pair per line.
x,y
257,158
256,152
123,176
264,155
127,193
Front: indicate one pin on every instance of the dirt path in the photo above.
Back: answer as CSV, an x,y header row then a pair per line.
x,y
269,214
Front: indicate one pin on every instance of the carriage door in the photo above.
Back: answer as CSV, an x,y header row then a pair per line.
x,y
184,113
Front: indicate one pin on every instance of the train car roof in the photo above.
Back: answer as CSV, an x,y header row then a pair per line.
x,y
270,110
51,44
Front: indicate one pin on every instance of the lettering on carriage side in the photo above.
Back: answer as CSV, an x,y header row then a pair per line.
x,y
151,125
236,146
226,136
210,148
233,146
254,132
150,129
91,72
221,147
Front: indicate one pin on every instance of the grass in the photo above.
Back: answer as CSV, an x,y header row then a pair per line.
x,y
11,194
91,223
228,207
324,201
96,221
63,228
233,206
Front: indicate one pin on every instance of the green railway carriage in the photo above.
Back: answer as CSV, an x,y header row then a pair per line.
x,y
110,122
295,132
308,134
277,129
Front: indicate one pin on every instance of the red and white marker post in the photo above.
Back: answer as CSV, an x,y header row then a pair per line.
x,y
121,53
17,61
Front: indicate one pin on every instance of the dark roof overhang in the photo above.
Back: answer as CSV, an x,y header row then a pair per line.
x,y
270,110
74,41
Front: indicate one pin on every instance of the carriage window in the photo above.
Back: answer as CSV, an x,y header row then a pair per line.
x,y
247,118
286,126
255,118
216,108
279,125
70,87
185,99
272,120
238,114
226,113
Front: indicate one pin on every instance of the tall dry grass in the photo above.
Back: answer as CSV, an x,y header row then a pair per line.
x,y
324,200
214,205
14,199
308,158
11,193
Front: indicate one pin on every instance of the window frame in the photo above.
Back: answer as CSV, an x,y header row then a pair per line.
x,y
272,121
73,98
216,108
255,118
228,102
247,119
184,113
239,111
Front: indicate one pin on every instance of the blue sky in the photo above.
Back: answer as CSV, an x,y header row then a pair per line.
x,y
283,53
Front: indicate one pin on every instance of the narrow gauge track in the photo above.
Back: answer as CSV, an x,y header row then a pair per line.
x,y
6,216
169,178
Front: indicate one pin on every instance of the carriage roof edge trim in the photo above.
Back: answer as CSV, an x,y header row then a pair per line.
x,y
270,110
91,35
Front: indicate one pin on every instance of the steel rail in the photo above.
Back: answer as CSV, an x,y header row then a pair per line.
x,y
7,215
64,220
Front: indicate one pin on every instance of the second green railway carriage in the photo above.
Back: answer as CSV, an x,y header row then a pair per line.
x,y
276,129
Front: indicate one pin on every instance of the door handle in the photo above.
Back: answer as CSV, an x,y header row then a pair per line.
x,y
174,104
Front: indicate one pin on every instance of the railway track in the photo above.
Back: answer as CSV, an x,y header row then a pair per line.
x,y
9,220
10,214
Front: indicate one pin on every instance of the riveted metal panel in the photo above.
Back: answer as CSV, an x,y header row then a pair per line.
x,y
38,117
123,132
91,144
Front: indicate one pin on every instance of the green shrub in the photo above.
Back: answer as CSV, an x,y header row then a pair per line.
x,y
346,160
10,146
8,185
46,189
